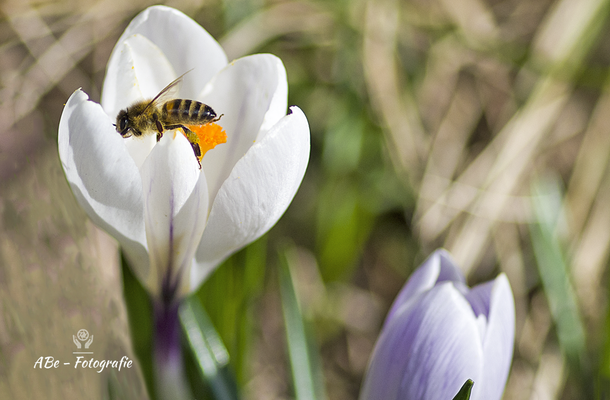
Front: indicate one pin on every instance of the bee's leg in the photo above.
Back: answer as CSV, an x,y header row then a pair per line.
x,y
176,126
197,151
159,127
217,118
191,138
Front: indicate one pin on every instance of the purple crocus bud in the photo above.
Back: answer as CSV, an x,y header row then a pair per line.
x,y
439,333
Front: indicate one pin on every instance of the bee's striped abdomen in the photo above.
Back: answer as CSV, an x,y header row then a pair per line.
x,y
187,112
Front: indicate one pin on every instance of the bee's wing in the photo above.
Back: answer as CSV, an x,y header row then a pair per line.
x,y
167,93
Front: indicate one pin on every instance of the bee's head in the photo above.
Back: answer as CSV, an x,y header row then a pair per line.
x,y
122,124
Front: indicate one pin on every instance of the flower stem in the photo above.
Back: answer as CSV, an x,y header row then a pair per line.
x,y
170,380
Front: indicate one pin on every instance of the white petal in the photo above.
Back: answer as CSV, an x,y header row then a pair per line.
x,y
120,88
140,147
256,194
498,341
102,175
252,94
427,351
175,207
183,42
137,71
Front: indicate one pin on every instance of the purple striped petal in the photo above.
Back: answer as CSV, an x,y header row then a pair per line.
x,y
439,333
438,267
427,351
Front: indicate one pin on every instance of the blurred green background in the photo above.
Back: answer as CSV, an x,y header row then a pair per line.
x,y
480,126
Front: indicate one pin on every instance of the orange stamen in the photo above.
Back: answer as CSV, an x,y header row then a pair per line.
x,y
209,136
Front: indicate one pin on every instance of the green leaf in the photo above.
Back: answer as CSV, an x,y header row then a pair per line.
x,y
554,271
305,368
228,297
464,393
208,350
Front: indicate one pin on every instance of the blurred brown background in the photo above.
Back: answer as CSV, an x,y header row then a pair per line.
x,y
476,125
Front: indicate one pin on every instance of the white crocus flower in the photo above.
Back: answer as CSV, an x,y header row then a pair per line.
x,y
177,222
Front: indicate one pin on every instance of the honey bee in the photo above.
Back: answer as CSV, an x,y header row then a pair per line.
x,y
164,113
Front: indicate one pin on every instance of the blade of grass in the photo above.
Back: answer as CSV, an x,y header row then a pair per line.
x,y
554,271
305,370
603,380
208,350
